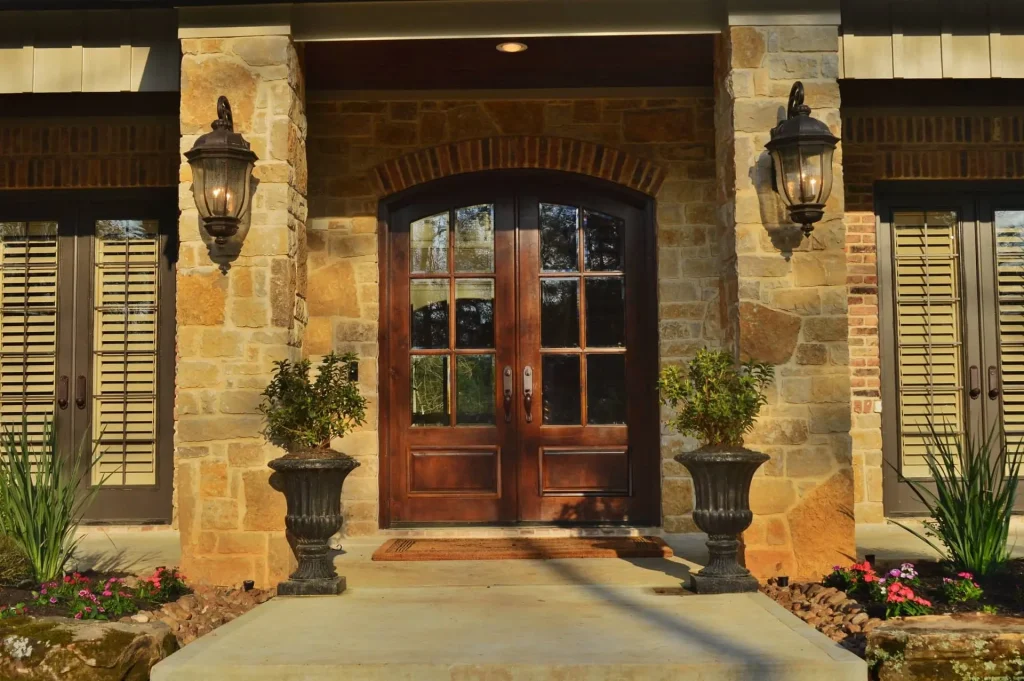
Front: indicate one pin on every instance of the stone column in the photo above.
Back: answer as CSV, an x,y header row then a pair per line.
x,y
232,327
785,298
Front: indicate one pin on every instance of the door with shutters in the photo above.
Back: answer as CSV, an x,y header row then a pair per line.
x,y
951,323
87,332
521,353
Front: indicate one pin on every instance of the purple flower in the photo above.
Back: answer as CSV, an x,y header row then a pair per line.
x,y
894,573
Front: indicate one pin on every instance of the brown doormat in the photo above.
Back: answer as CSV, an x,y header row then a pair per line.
x,y
516,548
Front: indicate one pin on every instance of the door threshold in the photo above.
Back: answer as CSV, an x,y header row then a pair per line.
x,y
509,531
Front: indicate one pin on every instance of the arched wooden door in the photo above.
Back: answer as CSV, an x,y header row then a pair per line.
x,y
520,353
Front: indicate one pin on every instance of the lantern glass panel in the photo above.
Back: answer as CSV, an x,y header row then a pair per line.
x,y
787,173
810,174
827,152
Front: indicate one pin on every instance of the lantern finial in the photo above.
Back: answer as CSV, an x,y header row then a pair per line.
x,y
796,102
224,119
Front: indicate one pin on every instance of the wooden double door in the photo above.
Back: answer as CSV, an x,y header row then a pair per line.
x,y
521,354
87,336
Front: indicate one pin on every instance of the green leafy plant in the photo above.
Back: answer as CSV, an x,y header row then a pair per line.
x,y
14,565
962,589
43,496
307,414
975,487
715,399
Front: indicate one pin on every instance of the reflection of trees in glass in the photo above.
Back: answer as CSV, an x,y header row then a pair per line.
x,y
561,389
602,242
429,247
125,230
606,312
430,325
559,313
429,379
475,383
558,252
606,388
474,239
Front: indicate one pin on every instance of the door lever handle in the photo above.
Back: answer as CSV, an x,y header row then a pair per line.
x,y
975,380
80,392
993,383
528,393
506,377
62,392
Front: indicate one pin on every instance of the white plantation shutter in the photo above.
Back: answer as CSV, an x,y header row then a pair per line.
x,y
28,322
124,351
1009,233
929,343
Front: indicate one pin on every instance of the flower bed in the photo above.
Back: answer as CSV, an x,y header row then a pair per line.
x,y
94,596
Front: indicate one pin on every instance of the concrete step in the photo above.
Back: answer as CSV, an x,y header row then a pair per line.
x,y
515,633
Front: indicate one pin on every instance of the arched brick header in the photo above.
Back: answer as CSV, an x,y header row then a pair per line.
x,y
504,153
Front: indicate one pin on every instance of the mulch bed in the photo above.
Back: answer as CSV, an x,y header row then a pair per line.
x,y
11,596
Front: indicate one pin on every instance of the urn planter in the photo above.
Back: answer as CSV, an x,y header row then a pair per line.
x,y
312,481
721,484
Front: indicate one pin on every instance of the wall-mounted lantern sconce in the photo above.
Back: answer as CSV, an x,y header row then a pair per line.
x,y
801,148
222,164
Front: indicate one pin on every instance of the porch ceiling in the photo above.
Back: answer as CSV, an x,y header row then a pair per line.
x,y
590,62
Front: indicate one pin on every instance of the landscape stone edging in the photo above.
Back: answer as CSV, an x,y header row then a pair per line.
x,y
962,647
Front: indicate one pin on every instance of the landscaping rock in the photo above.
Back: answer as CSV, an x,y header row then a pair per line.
x,y
948,648
828,610
205,609
58,649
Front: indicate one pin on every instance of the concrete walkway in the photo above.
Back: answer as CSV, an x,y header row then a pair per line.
x,y
515,633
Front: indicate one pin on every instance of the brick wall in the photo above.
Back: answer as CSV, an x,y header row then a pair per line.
x,y
907,145
88,153
362,150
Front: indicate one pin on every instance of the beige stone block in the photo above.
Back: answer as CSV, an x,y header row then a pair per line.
x,y
807,38
748,46
356,511
240,401
793,66
758,114
824,329
831,418
203,80
197,374
355,331
200,298
213,479
809,462
211,428
280,559
220,343
245,543
778,431
191,452
218,571
250,312
219,514
360,489
869,513
873,480
811,353
806,301
264,506
762,266
249,454
679,524
676,496
796,390
332,291
818,268
822,527
352,245
266,239
866,439
319,338
771,495
262,50
834,388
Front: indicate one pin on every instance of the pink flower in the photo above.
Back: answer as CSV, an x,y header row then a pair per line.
x,y
965,575
78,615
52,599
108,593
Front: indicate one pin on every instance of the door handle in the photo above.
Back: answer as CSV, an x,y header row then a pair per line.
x,y
975,388
506,378
62,392
528,393
993,383
80,392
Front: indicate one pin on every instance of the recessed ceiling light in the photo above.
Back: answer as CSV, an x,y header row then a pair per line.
x,y
512,47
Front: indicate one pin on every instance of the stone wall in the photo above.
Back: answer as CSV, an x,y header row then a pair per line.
x,y
906,145
232,327
789,302
350,146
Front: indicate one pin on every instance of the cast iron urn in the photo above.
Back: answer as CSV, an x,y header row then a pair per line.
x,y
312,490
721,483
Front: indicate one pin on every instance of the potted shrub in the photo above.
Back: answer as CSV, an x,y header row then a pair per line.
x,y
304,416
716,400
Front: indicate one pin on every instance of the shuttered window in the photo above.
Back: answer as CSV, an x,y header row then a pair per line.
x,y
929,344
125,351
1009,236
28,322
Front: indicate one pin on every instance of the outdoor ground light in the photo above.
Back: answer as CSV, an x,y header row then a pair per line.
x,y
801,148
222,164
